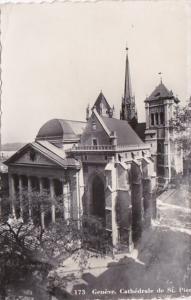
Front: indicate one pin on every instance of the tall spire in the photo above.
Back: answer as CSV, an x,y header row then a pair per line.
x,y
128,108
127,89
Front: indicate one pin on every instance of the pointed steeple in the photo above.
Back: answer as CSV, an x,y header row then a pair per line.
x,y
128,107
128,88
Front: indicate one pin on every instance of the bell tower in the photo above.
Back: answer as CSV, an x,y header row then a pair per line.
x,y
160,107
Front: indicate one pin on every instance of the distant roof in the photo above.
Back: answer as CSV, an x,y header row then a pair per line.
x,y
62,130
140,130
125,134
12,146
160,92
50,151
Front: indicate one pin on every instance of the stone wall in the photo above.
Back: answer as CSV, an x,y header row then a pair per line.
x,y
94,130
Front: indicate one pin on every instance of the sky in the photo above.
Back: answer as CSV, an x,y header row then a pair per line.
x,y
56,58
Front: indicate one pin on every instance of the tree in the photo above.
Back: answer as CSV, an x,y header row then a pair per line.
x,y
181,122
27,248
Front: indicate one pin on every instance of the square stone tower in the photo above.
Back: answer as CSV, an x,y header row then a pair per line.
x,y
160,108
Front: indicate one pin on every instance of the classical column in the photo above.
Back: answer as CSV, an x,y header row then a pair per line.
x,y
41,206
66,200
21,197
12,194
52,195
81,189
29,197
78,189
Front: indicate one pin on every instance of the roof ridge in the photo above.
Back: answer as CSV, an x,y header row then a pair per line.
x,y
125,133
70,120
51,152
42,146
98,98
102,122
116,119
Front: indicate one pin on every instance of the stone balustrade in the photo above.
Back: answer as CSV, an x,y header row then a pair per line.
x,y
107,148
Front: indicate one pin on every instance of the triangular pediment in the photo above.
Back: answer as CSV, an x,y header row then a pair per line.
x,y
29,155
35,158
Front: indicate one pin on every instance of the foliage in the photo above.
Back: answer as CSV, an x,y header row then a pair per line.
x,y
181,122
25,247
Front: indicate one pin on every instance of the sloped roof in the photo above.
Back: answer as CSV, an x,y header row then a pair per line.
x,y
101,99
140,130
59,129
52,148
125,134
160,92
49,151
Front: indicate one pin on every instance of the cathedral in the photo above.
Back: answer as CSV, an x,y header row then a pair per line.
x,y
104,167
158,130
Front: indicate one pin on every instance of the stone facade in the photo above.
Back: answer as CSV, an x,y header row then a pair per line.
x,y
158,131
119,179
33,171
160,107
100,169
108,175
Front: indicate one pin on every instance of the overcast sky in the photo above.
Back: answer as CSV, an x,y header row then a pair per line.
x,y
57,57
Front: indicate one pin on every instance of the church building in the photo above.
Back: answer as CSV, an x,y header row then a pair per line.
x,y
104,168
158,131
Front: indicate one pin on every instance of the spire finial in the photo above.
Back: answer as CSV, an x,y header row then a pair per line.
x,y
160,73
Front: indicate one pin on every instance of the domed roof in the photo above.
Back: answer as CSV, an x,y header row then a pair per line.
x,y
61,130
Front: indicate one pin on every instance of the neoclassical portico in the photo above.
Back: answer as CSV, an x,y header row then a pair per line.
x,y
36,173
24,186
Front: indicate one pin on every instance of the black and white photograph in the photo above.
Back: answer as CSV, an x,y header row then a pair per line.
x,y
95,150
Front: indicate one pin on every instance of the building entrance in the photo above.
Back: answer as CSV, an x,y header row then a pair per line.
x,y
98,198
